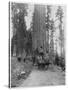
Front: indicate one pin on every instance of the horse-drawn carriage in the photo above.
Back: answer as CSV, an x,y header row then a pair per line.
x,y
41,60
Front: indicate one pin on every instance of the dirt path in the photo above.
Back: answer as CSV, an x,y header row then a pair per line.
x,y
43,78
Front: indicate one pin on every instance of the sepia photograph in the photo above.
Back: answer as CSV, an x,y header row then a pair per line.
x,y
36,45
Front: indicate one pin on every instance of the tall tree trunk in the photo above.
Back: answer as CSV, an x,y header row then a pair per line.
x,y
39,32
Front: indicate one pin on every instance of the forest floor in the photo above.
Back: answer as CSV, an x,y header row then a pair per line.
x,y
25,75
19,71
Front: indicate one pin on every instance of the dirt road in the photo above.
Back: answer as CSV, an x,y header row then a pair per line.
x,y
44,78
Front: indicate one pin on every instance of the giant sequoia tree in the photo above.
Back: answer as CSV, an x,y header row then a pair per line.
x,y
39,32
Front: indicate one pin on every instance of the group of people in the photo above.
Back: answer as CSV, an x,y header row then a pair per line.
x,y
41,60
